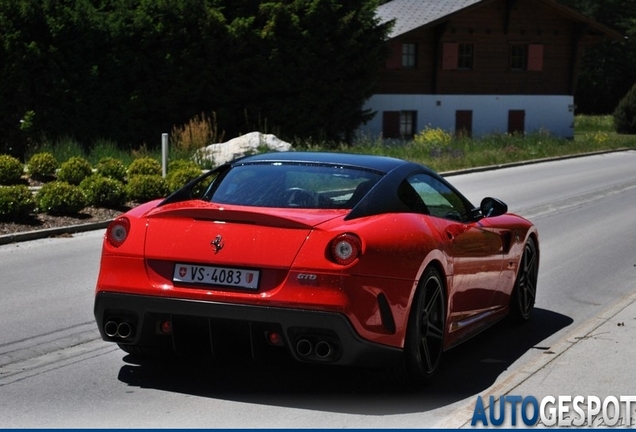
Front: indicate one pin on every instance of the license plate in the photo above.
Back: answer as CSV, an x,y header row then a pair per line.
x,y
212,275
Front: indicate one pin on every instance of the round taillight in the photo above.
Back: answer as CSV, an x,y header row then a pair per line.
x,y
117,231
345,248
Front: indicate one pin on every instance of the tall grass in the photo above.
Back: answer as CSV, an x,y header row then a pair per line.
x,y
585,123
444,152
433,147
103,148
62,149
188,139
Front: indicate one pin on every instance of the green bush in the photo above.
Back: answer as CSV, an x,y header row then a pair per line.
x,y
625,113
60,198
42,166
111,167
74,170
177,177
142,187
144,166
181,163
11,170
101,191
16,202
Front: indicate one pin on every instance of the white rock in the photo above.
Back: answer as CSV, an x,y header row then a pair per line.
x,y
251,143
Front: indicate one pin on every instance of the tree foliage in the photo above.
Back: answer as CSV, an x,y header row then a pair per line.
x,y
608,69
625,113
128,70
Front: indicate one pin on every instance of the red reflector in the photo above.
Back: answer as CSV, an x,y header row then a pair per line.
x,y
166,327
274,338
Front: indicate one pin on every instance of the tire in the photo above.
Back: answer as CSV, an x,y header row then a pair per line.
x,y
524,292
424,344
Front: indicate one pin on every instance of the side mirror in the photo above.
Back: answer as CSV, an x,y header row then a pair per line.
x,y
491,207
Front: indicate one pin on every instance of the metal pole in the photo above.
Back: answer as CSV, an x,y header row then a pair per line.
x,y
164,154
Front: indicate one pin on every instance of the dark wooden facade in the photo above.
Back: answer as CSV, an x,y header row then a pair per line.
x,y
552,39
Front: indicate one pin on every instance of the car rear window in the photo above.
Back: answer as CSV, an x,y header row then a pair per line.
x,y
294,186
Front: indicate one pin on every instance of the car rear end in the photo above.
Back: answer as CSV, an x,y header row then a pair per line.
x,y
225,279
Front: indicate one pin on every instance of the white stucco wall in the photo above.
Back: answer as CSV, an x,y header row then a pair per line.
x,y
490,112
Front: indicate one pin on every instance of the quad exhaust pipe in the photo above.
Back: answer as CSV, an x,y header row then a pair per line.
x,y
320,349
304,347
323,349
118,329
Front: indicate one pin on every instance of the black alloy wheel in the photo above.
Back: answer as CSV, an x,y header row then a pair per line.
x,y
525,290
425,334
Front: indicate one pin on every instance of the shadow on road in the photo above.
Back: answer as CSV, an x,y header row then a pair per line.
x,y
467,370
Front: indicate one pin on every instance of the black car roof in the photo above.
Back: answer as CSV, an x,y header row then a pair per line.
x,y
381,198
382,164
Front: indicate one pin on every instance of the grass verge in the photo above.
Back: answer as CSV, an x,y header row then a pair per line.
x,y
435,148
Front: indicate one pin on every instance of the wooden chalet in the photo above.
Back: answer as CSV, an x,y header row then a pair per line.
x,y
480,67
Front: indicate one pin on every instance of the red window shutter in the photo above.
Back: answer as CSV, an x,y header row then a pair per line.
x,y
391,124
535,57
450,54
464,123
516,122
395,59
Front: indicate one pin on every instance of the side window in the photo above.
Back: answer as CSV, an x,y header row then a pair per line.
x,y
465,57
439,199
518,57
408,123
409,55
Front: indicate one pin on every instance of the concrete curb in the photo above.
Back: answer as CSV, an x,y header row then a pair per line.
x,y
51,232
564,347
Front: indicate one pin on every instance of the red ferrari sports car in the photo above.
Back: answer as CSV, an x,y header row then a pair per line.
x,y
325,257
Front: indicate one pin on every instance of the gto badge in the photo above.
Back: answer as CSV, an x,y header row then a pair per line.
x,y
217,243
307,279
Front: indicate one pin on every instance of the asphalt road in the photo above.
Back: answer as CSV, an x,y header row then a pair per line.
x,y
56,372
